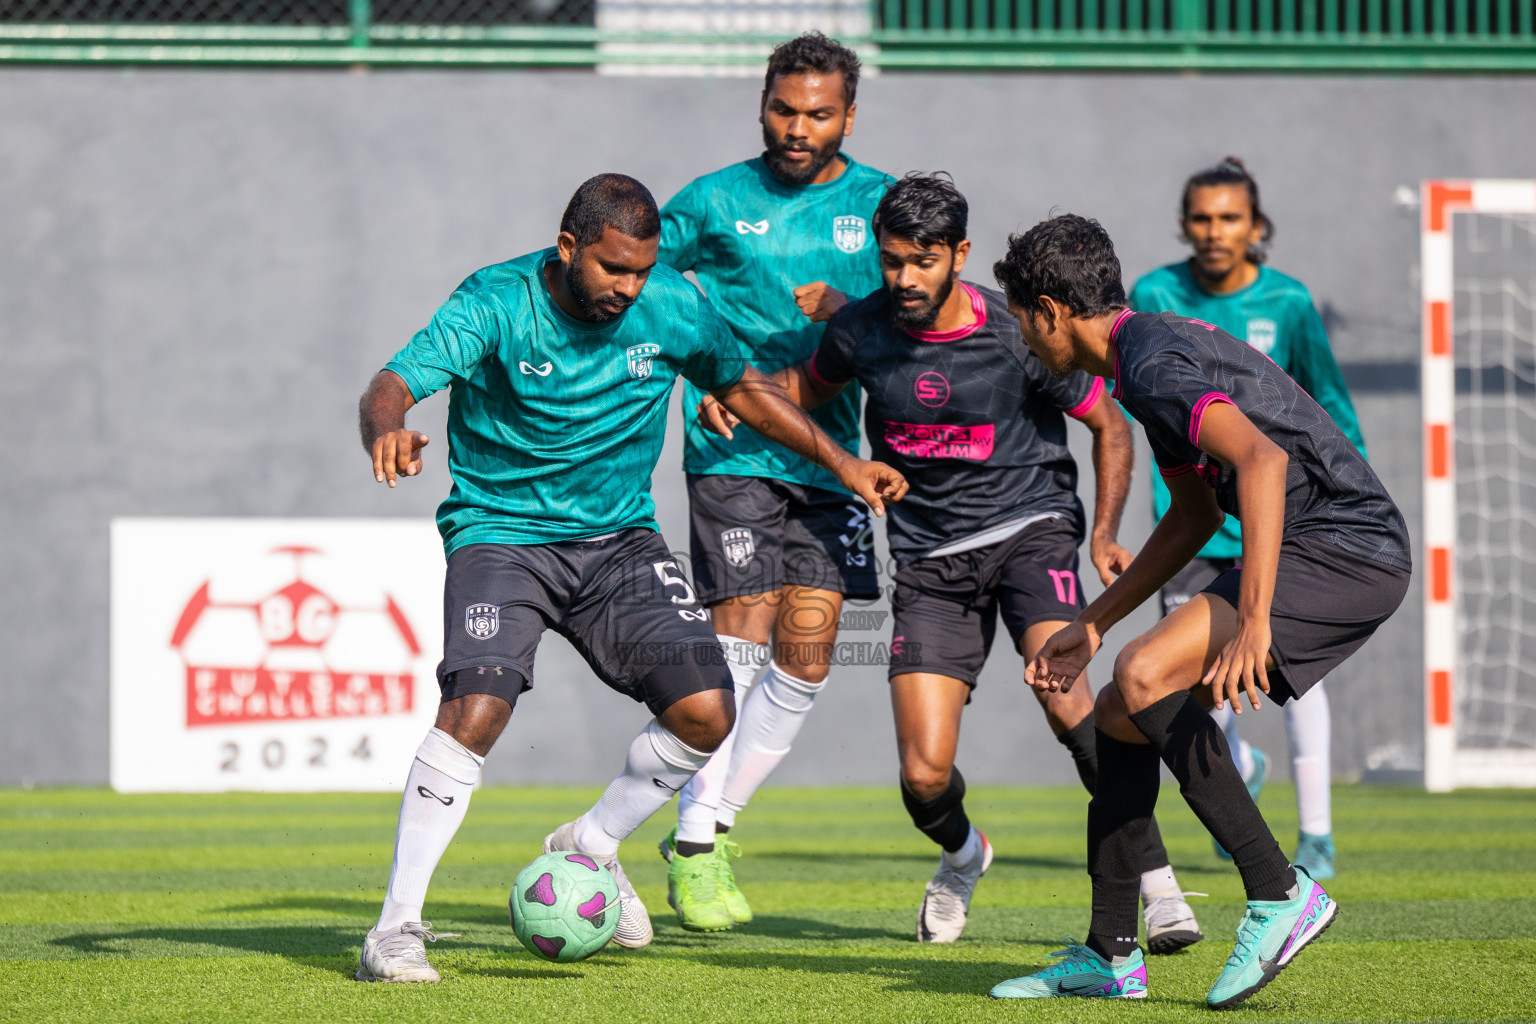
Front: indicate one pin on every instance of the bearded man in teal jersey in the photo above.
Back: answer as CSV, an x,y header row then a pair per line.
x,y
561,365
1227,284
777,243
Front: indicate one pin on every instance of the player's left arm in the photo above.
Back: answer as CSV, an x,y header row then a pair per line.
x,y
763,404
1230,437
1113,462
1317,371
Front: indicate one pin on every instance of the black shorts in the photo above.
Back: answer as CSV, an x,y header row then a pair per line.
x,y
751,535
946,608
1191,580
623,602
1327,604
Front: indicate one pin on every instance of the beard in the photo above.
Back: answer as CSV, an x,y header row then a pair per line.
x,y
789,173
921,316
600,309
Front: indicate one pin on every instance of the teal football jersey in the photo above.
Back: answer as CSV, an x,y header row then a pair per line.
x,y
751,240
555,424
1274,315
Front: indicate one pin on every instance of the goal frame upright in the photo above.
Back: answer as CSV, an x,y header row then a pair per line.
x,y
1447,766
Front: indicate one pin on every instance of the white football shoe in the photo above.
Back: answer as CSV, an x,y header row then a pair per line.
x,y
400,955
634,931
947,902
1171,923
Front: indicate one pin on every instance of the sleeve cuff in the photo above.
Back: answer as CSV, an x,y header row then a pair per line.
x,y
1206,401
1084,407
419,390
822,378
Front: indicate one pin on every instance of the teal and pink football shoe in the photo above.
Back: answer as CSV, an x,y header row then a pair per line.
x,y
1079,971
1270,935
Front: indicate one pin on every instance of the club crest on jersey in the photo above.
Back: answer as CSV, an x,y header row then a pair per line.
x,y
481,621
1261,334
738,545
848,233
639,358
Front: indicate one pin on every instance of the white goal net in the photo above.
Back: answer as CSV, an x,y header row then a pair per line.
x,y
1480,460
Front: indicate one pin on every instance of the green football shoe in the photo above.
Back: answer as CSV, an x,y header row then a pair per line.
x,y
693,890
1270,935
735,902
1079,971
1255,783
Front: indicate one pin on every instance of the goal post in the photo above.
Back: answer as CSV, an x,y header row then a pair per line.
x,y
1478,258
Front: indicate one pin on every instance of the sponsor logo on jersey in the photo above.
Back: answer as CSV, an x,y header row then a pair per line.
x,y
848,233
639,358
760,228
542,371
932,389
481,621
738,545
1261,334
941,440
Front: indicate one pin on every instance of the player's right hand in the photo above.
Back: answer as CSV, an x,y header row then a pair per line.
x,y
819,300
875,482
716,418
396,454
1062,659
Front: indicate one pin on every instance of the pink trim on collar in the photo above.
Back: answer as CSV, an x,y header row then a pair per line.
x,y
1125,314
978,307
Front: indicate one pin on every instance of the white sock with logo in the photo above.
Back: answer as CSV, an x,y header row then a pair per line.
x,y
765,729
436,797
1242,753
699,801
659,764
1309,724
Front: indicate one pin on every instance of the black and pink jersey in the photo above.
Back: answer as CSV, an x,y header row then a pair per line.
x,y
1170,369
970,417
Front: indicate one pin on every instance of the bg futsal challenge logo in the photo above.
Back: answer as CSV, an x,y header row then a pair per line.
x,y
256,652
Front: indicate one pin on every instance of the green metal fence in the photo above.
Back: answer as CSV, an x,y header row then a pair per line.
x,y
1230,35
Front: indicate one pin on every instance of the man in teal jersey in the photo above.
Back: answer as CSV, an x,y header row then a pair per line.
x,y
561,364
777,242
1226,283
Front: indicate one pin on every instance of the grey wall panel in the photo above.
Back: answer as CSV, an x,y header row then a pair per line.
x,y
199,271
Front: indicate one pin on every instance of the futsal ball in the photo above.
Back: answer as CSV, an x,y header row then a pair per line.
x,y
564,906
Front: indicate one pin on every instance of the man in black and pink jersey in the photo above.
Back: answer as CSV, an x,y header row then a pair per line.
x,y
1325,562
991,525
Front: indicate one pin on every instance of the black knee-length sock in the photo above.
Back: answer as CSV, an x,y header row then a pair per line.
x,y
1119,816
1080,743
943,818
1193,748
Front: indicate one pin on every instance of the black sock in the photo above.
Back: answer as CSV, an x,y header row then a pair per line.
x,y
720,829
942,819
685,849
1119,816
1080,743
1194,750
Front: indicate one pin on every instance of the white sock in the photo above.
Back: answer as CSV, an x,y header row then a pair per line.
x,y
659,764
1242,753
967,854
765,729
1308,723
437,792
699,801
1158,880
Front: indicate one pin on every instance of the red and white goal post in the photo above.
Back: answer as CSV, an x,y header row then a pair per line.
x,y
1478,384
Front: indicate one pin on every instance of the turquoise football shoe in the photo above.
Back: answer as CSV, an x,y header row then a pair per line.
x,y
1270,935
1079,971
1255,783
1315,853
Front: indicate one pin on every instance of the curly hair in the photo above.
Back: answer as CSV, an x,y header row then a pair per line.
x,y
814,52
1232,172
924,208
1068,258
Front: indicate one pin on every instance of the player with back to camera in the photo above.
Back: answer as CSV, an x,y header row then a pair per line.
x,y
991,525
777,542
561,364
1226,283
1325,562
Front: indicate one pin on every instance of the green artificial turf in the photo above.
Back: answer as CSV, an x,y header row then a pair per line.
x,y
253,907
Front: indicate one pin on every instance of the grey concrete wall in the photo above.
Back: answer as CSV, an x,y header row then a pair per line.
x,y
199,271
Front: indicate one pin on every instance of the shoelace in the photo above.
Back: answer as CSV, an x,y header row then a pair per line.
x,y
398,943
1156,904
724,879
1249,931
1070,958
